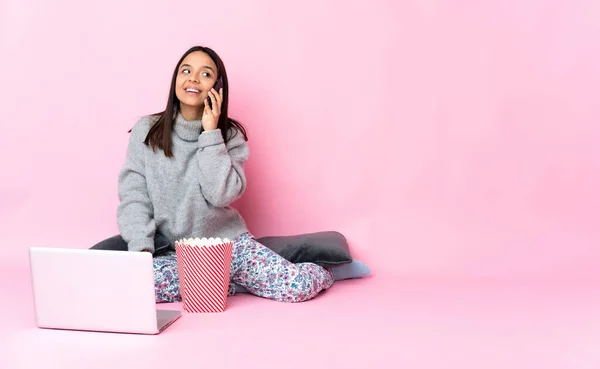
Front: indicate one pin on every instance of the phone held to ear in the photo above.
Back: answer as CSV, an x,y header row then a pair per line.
x,y
218,85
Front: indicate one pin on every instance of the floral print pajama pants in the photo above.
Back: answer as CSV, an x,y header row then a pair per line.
x,y
255,267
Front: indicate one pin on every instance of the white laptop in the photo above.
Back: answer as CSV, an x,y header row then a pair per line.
x,y
96,290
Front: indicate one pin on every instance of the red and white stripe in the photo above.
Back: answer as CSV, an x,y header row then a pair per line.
x,y
204,276
180,253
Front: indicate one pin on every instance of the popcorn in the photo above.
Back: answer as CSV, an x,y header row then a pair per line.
x,y
203,241
204,270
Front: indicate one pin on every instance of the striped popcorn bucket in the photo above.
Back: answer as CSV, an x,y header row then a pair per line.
x,y
204,268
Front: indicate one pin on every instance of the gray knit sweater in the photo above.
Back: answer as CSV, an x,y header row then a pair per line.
x,y
188,195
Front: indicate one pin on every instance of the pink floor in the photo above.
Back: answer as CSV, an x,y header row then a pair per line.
x,y
379,322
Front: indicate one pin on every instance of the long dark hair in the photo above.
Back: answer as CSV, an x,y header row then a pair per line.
x,y
159,136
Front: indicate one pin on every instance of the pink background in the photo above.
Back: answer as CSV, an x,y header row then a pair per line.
x,y
441,137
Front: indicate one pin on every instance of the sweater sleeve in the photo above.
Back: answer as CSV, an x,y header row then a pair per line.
x,y
222,178
135,211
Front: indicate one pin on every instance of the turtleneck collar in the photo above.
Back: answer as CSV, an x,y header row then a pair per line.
x,y
187,130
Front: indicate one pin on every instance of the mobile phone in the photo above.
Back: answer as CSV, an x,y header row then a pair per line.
x,y
217,86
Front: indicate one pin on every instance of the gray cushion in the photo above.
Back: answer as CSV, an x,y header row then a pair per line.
x,y
326,248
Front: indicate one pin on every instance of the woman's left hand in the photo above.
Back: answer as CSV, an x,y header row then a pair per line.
x,y
210,117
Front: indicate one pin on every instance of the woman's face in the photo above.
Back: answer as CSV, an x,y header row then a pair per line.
x,y
196,75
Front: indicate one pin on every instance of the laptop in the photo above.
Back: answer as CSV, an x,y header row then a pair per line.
x,y
96,290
